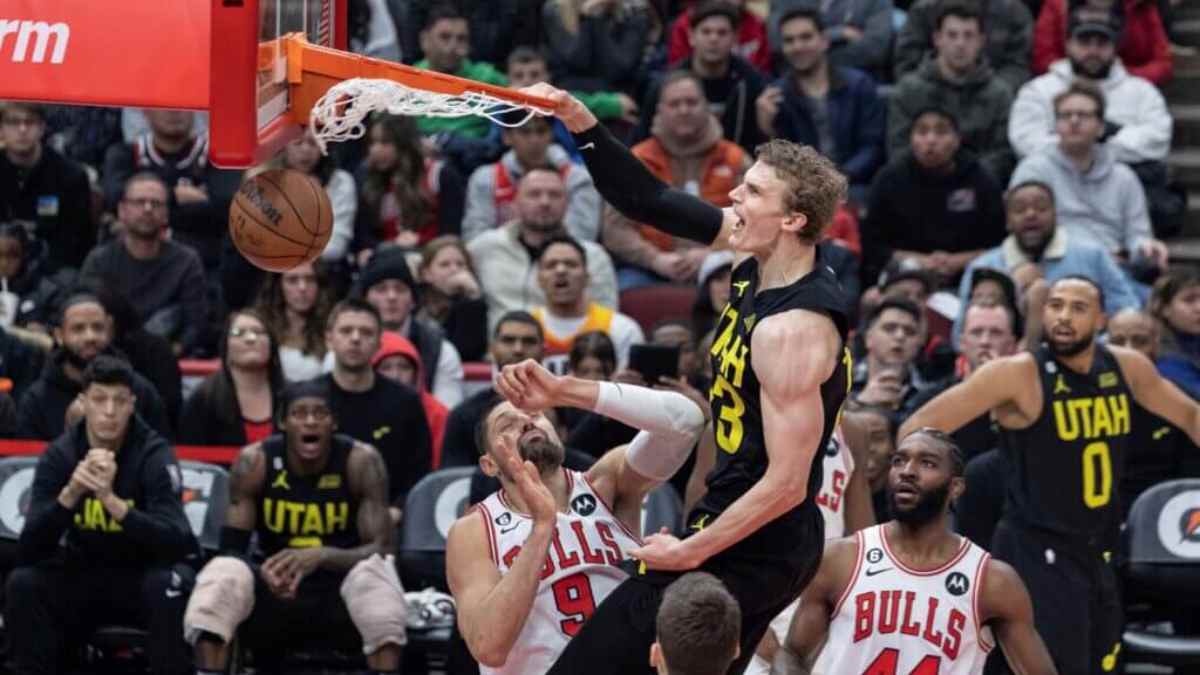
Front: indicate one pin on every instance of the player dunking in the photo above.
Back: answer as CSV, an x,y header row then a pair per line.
x,y
781,372
1064,416
909,596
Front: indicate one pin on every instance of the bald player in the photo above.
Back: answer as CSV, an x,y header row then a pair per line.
x,y
1065,417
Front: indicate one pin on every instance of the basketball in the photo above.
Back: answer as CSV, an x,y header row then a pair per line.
x,y
280,219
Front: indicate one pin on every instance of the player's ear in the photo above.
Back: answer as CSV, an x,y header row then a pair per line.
x,y
656,659
488,465
958,485
795,222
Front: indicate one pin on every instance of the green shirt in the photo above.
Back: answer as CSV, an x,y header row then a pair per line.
x,y
474,126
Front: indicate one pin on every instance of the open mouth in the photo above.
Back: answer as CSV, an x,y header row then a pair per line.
x,y
310,439
905,490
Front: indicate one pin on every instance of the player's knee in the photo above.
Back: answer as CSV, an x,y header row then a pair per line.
x,y
375,601
221,601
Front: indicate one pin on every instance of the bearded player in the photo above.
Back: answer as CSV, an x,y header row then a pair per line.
x,y
910,596
780,374
1064,415
528,566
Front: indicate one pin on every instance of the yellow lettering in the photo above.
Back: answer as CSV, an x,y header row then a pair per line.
x,y
734,358
272,515
1084,406
1097,490
312,520
294,512
337,516
726,335
729,429
304,542
1119,406
1102,424
1066,421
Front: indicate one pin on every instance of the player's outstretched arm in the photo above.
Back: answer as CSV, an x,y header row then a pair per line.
x,y
810,623
1006,606
1158,394
995,384
628,185
491,608
799,351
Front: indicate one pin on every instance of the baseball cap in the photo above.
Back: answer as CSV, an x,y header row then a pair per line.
x,y
712,264
900,270
1091,21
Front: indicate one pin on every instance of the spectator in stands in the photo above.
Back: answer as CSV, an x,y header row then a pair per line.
x,y
387,284
1008,26
504,257
42,189
873,429
958,78
527,66
445,36
1036,248
303,155
371,409
858,32
934,203
713,295
163,279
593,356
1136,126
568,312
596,45
236,405
1096,197
496,26
29,293
150,355
198,194
687,152
83,133
517,336
892,336
989,332
399,361
831,107
1164,451
1176,304
451,296
84,331
20,364
372,30
407,197
752,43
1142,46
294,305
105,536
729,83
491,190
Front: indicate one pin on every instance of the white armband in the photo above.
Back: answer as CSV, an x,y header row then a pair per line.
x,y
670,424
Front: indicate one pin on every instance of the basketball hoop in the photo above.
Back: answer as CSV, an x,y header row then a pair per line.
x,y
340,114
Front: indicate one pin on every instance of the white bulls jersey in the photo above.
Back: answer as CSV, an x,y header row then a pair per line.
x,y
893,620
836,468
581,569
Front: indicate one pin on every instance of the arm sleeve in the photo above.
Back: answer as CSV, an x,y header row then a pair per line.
x,y
629,186
46,519
160,524
1150,137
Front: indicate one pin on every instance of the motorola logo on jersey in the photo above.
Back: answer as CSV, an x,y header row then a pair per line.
x,y
957,583
584,505
504,519
1179,525
874,555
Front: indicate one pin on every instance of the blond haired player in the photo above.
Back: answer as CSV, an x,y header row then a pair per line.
x,y
909,597
528,566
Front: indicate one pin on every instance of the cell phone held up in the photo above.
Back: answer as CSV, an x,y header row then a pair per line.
x,y
654,362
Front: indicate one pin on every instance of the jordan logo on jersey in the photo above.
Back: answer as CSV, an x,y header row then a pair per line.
x,y
905,611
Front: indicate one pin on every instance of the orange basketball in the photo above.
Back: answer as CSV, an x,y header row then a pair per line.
x,y
280,219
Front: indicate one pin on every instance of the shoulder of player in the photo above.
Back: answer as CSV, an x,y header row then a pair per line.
x,y
250,466
1001,592
1134,365
799,345
838,564
1010,369
363,460
467,533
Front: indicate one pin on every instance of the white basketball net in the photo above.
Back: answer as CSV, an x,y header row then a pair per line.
x,y
339,115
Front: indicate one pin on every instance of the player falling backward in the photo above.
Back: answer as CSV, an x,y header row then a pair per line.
x,y
528,565
1064,415
909,596
780,374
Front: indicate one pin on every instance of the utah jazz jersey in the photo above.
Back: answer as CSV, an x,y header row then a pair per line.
x,y
736,400
1068,464
307,511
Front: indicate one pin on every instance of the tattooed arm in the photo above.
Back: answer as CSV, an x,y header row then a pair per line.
x,y
368,481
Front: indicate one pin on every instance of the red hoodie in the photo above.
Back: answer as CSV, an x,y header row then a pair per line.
x,y
436,413
752,40
1144,49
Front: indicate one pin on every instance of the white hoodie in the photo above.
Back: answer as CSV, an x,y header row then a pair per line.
x,y
1129,101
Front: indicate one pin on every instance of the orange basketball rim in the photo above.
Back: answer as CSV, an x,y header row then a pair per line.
x,y
257,66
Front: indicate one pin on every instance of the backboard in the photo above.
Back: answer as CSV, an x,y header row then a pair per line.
x,y
249,97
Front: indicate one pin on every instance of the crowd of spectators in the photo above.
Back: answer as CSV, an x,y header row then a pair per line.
x,y
991,147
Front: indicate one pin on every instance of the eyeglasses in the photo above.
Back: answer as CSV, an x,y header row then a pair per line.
x,y
317,414
241,332
146,203
1070,115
